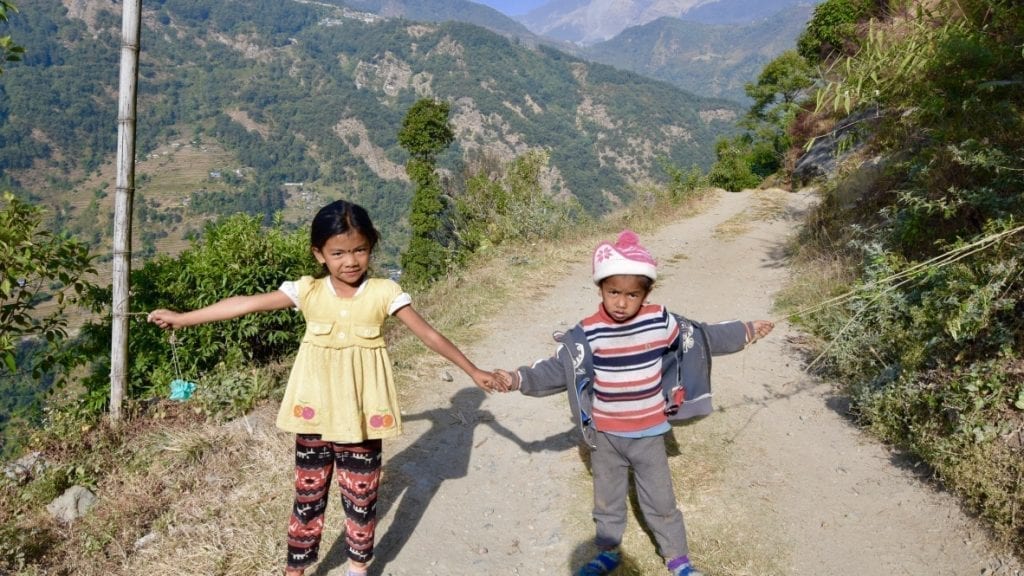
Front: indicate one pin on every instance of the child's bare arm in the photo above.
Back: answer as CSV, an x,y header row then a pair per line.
x,y
443,346
225,309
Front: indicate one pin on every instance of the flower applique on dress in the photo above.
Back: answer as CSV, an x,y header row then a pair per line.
x,y
305,412
382,419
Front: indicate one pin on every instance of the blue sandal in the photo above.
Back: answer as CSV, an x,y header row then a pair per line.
x,y
603,563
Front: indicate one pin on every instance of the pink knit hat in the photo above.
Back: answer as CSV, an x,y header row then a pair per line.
x,y
626,256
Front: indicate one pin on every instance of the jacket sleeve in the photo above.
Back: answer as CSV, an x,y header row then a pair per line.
x,y
727,337
546,377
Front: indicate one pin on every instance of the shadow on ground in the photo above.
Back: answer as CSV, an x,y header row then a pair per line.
x,y
413,476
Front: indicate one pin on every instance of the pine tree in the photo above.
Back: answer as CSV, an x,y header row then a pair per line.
x,y
425,133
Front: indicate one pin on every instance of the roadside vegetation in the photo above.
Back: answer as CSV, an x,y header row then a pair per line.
x,y
915,254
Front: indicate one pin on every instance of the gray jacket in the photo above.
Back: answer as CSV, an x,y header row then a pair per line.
x,y
686,371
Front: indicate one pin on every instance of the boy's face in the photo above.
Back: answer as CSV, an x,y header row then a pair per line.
x,y
622,295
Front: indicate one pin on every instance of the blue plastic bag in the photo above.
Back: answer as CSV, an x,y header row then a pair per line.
x,y
182,390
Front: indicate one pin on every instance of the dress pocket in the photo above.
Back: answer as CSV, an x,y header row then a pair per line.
x,y
319,328
367,331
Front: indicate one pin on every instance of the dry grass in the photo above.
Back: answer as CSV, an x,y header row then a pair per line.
x,y
228,508
769,205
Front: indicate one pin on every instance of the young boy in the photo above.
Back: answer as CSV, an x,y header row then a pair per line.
x,y
629,368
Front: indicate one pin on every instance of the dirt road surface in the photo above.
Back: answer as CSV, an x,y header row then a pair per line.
x,y
494,484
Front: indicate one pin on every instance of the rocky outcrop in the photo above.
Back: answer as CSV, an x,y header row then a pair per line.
x,y
822,160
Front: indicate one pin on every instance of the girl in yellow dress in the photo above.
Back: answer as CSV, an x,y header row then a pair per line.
x,y
340,400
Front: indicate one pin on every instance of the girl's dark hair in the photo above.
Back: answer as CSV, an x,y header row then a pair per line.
x,y
341,217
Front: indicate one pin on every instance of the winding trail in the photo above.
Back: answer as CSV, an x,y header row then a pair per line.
x,y
495,485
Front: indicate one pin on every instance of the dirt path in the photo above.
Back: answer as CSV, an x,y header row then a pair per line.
x,y
492,484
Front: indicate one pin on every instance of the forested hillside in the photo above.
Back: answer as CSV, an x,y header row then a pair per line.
x,y
265,106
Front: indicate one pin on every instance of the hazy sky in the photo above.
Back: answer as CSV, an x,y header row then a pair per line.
x,y
512,7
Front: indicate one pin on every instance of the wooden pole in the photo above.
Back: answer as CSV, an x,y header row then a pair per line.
x,y
131,22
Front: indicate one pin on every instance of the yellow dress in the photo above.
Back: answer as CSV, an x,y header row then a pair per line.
x,y
341,385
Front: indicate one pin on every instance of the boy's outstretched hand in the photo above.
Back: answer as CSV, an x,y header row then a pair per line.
x,y
760,329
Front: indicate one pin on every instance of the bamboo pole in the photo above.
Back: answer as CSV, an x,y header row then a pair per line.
x,y
131,22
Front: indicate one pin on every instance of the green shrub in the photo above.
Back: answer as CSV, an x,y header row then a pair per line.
x,y
237,256
833,28
228,391
512,206
35,262
732,170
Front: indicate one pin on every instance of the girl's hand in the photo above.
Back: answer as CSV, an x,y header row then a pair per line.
x,y
166,319
485,380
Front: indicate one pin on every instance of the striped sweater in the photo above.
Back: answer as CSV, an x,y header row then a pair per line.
x,y
627,356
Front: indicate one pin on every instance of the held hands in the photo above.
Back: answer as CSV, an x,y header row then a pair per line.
x,y
488,381
509,380
497,381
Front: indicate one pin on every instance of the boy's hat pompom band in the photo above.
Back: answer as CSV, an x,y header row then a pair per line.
x,y
626,256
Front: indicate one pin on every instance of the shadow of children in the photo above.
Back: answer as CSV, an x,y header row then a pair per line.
x,y
413,476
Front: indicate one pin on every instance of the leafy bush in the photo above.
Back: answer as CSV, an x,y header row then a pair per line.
x,y
512,206
228,391
38,265
235,256
833,28
733,169
43,273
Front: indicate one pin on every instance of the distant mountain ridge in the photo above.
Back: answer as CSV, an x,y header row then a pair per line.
x,y
709,47
586,22
589,21
744,12
443,10
710,60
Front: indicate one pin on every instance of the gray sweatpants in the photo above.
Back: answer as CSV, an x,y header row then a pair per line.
x,y
610,464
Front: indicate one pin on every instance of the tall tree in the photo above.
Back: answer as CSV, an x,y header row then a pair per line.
x,y
425,133
9,51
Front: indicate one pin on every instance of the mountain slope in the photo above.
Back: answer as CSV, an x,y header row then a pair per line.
x,y
589,21
711,60
264,106
739,11
441,11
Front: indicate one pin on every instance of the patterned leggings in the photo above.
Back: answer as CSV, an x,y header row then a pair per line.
x,y
358,467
